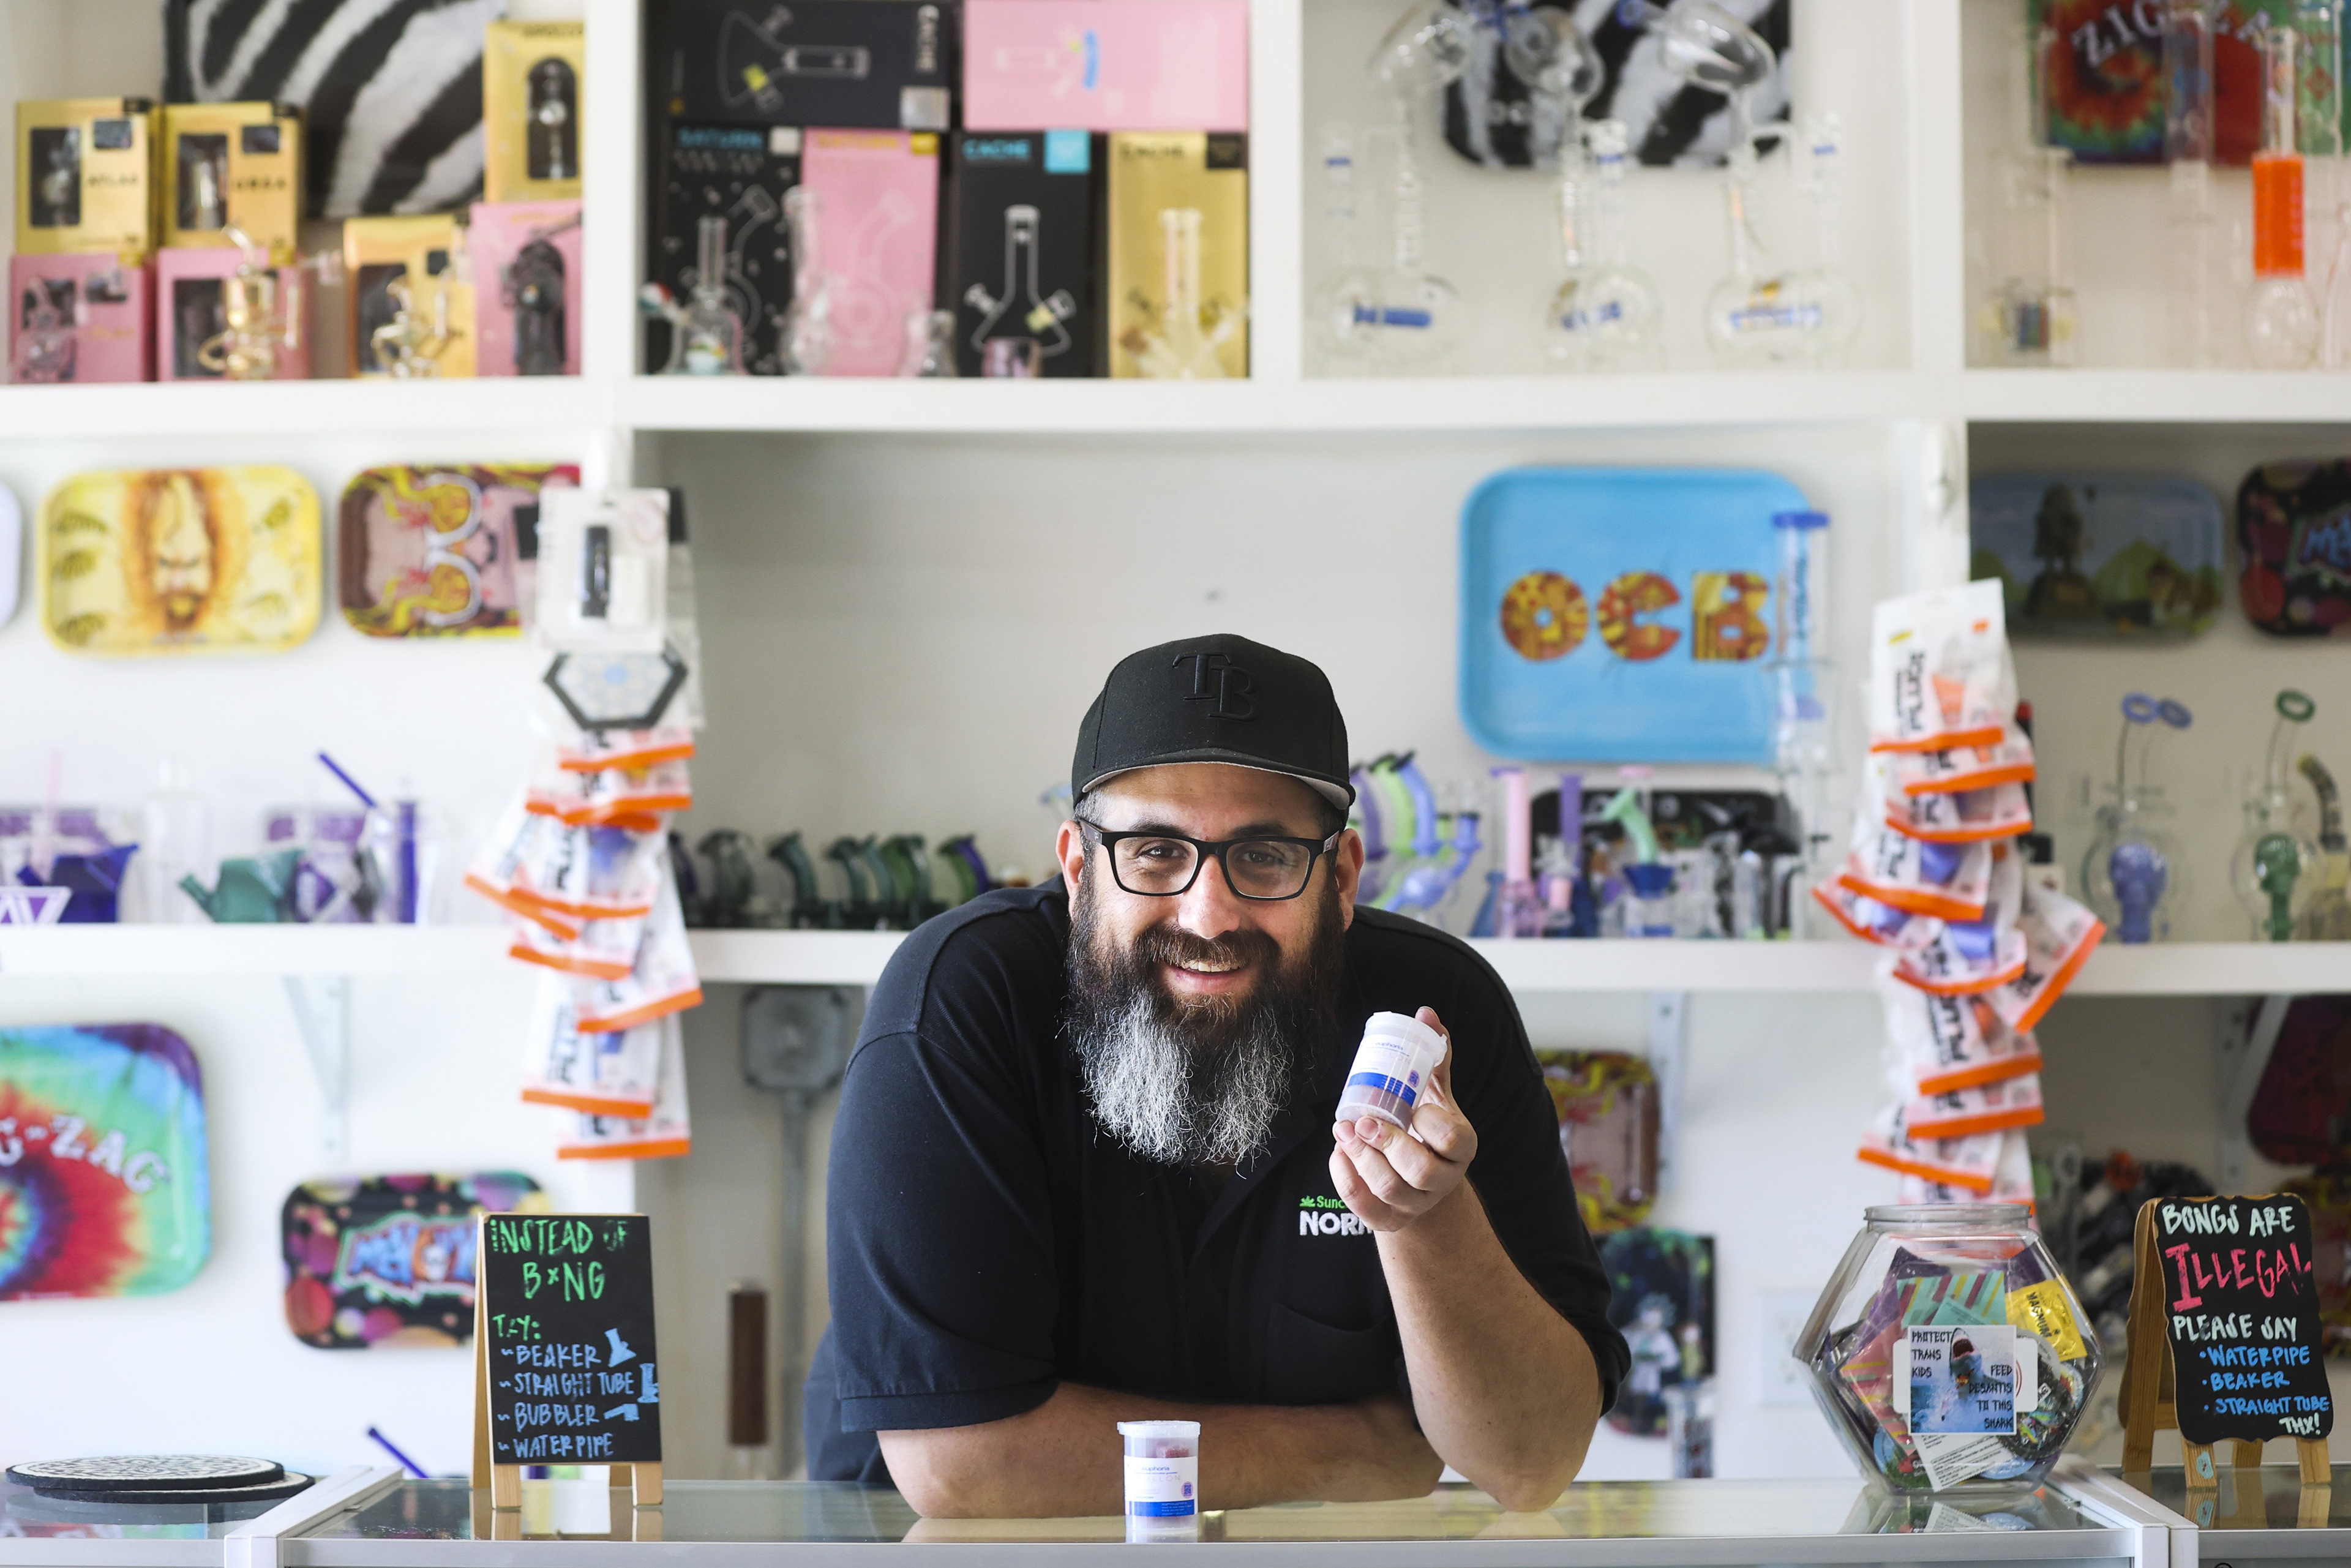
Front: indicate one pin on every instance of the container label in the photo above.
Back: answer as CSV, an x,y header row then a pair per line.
x,y
1163,1486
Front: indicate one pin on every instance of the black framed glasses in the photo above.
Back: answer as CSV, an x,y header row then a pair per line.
x,y
1157,865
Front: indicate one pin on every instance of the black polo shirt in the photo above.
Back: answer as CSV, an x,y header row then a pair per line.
x,y
986,1239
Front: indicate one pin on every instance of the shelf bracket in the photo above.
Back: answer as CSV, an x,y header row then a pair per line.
x,y
322,1012
2247,1041
1668,1056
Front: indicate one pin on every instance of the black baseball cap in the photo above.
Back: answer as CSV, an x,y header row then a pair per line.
x,y
1215,699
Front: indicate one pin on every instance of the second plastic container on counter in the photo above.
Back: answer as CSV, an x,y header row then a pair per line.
x,y
1392,1069
1163,1480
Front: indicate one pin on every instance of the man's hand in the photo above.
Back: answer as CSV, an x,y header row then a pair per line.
x,y
1390,1178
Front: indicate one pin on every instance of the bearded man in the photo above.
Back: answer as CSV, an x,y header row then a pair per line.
x,y
1086,1167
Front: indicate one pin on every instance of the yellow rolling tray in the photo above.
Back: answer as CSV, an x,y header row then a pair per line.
x,y
179,561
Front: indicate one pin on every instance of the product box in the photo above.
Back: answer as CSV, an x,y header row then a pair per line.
x,y
1106,65
877,218
862,64
190,310
428,254
232,164
741,174
525,288
1154,172
1021,251
86,177
532,74
106,305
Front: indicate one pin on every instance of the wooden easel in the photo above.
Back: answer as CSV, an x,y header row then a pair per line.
x,y
505,1482
2149,1394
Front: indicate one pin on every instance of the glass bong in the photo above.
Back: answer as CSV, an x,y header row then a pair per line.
x,y
2328,917
1805,756
48,339
2275,866
260,318
808,325
1603,316
1413,318
2029,315
1343,310
2188,150
1825,289
1181,350
2282,324
409,347
2132,872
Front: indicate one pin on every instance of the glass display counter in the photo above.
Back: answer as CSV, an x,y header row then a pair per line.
x,y
2079,1517
2258,1515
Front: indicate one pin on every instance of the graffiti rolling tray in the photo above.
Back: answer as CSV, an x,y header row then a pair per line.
x,y
104,1188
441,551
179,560
2098,555
1620,614
388,1261
2293,530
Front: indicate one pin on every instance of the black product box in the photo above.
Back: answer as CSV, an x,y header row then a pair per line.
x,y
857,64
739,172
1022,249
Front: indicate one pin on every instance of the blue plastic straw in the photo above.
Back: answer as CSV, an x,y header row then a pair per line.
x,y
349,782
380,1440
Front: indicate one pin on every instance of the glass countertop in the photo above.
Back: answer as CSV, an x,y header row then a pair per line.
x,y
2270,1497
797,1511
27,1515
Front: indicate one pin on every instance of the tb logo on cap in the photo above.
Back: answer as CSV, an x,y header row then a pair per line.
x,y
1215,678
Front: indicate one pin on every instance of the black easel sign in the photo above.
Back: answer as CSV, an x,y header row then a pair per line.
x,y
2240,1311
566,1370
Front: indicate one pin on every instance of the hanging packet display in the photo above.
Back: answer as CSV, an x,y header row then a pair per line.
x,y
1940,675
665,1133
1919,876
664,980
1879,924
1965,1163
2058,936
1945,1043
603,950
1964,1113
1960,817
2008,760
615,1074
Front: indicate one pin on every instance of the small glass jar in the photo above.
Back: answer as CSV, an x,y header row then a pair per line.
x,y
1960,1305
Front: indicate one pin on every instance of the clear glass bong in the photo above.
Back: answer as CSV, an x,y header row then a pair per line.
x,y
1181,350
2132,872
1805,754
1605,315
2282,324
1827,298
1344,310
2187,149
1416,316
2319,109
2029,316
261,320
2275,868
705,331
808,324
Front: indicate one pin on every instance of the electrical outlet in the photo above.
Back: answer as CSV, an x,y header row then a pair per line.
x,y
1779,1316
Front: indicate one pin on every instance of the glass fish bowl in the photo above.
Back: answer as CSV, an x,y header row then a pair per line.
x,y
1948,1351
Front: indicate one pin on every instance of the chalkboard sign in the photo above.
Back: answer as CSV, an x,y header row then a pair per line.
x,y
565,1323
2240,1311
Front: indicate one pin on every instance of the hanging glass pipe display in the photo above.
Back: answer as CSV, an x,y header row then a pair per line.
x,y
2275,867
2132,872
1415,316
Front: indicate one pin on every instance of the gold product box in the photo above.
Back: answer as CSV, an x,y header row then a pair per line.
x,y
232,164
531,77
428,254
1154,172
86,177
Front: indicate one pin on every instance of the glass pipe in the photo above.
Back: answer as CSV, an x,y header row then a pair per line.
x,y
1830,303
2282,324
1562,72
711,330
2131,872
2187,149
1419,315
261,319
2319,111
930,345
1020,309
808,325
1804,754
1344,310
2275,866
48,342
409,347
2329,917
1518,910
2029,312
1603,315
1180,351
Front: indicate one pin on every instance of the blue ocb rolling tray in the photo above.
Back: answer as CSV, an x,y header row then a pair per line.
x,y
1620,614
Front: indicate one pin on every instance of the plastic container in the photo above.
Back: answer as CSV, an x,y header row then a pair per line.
x,y
1392,1068
1163,1480
1966,1300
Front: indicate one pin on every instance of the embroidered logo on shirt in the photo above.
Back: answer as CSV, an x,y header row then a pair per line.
x,y
1328,1216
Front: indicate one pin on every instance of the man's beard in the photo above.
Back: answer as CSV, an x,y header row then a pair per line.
x,y
1197,1082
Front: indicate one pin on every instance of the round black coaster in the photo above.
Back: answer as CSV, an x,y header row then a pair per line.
x,y
146,1472
288,1483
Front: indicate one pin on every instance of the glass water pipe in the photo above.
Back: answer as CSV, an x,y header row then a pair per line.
x,y
1603,315
1805,754
2132,870
2275,866
261,320
1827,298
1346,309
706,330
2328,917
2281,323
2187,149
1416,315
2029,316
808,325
1181,350
2318,105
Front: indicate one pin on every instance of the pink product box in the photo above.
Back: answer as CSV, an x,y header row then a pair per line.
x,y
189,313
1106,65
108,304
877,219
527,288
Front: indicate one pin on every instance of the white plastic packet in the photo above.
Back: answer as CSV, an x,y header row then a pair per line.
x,y
664,980
1919,876
1960,817
2006,759
1964,1163
1873,922
1971,956
1940,675
1964,1113
2058,936
616,1074
1942,1043
666,1133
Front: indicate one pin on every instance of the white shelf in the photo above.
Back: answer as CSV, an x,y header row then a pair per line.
x,y
120,951
562,404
